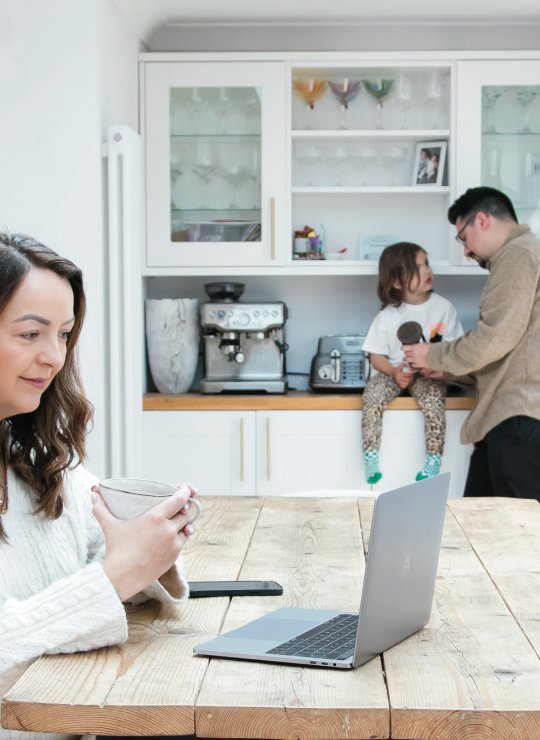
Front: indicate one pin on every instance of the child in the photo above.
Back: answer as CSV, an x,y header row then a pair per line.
x,y
406,292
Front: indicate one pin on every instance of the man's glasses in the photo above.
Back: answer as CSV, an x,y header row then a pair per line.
x,y
459,236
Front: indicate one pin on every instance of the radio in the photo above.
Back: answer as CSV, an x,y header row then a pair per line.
x,y
340,363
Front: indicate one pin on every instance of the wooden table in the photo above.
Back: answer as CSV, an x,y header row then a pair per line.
x,y
474,672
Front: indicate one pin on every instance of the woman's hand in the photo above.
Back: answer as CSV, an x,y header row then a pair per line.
x,y
416,355
140,550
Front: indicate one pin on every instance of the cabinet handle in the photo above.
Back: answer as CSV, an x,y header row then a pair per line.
x,y
268,450
242,449
273,228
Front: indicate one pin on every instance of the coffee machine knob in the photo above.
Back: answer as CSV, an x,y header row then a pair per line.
x,y
239,357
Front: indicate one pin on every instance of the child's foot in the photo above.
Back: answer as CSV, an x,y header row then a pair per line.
x,y
371,463
432,467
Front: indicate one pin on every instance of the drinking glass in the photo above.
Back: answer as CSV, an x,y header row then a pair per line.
x,y
345,91
341,157
434,93
379,89
526,95
310,90
404,95
204,165
491,95
365,156
394,156
233,167
308,156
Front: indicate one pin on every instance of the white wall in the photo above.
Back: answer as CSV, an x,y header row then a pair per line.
x,y
66,70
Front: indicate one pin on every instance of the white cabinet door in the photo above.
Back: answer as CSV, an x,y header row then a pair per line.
x,y
306,450
498,132
403,451
214,450
215,163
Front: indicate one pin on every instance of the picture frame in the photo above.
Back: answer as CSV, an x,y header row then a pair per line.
x,y
429,163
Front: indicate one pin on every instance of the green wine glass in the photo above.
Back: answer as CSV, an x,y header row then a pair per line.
x,y
379,88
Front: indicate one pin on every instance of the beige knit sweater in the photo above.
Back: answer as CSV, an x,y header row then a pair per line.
x,y
54,594
503,351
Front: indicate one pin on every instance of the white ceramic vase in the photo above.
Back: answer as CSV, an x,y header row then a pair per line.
x,y
172,340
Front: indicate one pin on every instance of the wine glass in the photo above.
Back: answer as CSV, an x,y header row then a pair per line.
x,y
404,95
345,90
310,90
526,95
434,93
394,156
491,95
341,158
204,165
379,89
233,168
308,156
365,156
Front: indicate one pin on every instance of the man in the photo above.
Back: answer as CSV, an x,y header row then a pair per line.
x,y
502,354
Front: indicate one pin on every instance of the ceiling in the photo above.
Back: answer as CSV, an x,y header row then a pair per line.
x,y
146,16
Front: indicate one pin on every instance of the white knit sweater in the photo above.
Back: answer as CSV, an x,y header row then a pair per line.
x,y
54,594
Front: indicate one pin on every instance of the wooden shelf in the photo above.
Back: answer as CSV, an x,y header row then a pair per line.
x,y
294,400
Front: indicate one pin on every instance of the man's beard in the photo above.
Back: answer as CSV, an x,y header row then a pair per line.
x,y
483,263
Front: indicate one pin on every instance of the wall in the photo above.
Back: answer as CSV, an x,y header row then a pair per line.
x,y
68,69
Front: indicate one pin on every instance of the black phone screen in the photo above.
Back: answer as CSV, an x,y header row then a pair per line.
x,y
198,589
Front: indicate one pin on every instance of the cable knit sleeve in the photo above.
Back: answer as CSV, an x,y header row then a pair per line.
x,y
80,612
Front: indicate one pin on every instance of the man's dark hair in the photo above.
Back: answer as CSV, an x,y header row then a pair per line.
x,y
487,200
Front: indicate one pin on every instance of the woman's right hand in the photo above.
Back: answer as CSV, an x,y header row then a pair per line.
x,y
140,550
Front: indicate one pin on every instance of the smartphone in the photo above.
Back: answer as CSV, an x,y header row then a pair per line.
x,y
198,589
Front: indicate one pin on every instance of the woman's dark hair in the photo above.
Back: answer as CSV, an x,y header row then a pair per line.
x,y
397,263
487,200
41,445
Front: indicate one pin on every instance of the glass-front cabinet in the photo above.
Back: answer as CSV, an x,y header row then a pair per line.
x,y
498,131
214,161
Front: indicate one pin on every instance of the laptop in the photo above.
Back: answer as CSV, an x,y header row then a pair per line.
x,y
396,599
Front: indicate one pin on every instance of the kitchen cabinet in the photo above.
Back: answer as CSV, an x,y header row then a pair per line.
x,y
265,452
215,162
498,131
357,173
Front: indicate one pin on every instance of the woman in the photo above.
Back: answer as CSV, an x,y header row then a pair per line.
x,y
66,564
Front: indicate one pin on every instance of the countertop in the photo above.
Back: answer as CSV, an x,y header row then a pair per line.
x,y
291,401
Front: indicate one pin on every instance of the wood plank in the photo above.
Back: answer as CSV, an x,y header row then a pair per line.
x,y
512,556
277,701
291,401
108,689
471,672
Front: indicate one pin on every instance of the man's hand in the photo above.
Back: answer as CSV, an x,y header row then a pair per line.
x,y
416,355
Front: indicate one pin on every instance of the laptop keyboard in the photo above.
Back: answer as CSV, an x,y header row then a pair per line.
x,y
333,639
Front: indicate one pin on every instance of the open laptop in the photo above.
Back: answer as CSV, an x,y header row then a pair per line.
x,y
396,600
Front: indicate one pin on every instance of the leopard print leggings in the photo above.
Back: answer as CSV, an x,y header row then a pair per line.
x,y
382,389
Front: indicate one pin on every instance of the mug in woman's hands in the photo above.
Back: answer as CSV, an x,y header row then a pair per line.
x,y
127,498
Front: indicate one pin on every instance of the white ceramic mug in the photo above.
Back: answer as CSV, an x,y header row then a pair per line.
x,y
131,497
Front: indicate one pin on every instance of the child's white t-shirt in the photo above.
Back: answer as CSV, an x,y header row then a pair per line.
x,y
436,316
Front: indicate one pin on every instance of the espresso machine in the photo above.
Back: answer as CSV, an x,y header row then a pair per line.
x,y
244,346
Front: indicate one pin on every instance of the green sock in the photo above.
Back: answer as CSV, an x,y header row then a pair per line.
x,y
432,467
371,463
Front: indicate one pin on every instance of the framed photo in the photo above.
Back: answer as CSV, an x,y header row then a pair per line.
x,y
429,162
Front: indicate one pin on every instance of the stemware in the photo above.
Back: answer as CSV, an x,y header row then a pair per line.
x,y
365,156
310,90
526,95
345,91
379,89
233,168
394,156
404,95
341,157
434,93
491,95
204,165
308,156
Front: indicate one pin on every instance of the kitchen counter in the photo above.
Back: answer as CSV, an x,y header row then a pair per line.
x,y
291,401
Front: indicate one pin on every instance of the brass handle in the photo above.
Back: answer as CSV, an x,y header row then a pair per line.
x,y
242,449
268,450
273,228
